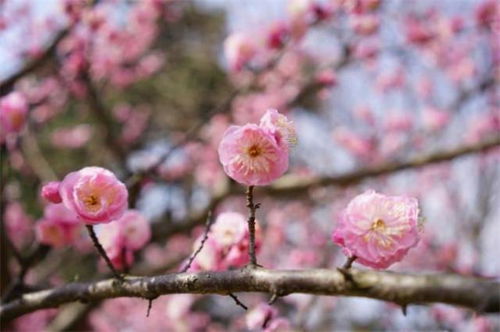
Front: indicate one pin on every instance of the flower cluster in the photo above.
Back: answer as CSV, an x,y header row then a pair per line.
x,y
226,245
256,155
378,230
58,227
123,237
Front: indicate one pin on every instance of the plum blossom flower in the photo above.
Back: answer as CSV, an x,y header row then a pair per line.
x,y
239,49
13,112
251,156
59,226
257,155
227,244
94,194
229,229
124,236
377,229
50,192
280,127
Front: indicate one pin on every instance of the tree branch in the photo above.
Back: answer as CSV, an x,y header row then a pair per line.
x,y
294,184
31,66
477,294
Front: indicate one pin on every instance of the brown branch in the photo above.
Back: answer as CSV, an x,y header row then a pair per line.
x,y
31,66
477,294
102,252
294,184
105,121
252,207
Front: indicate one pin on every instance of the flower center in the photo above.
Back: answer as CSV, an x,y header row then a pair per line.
x,y
254,151
92,202
378,225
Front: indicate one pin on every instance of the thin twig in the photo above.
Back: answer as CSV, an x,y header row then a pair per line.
x,y
237,301
208,224
102,252
251,226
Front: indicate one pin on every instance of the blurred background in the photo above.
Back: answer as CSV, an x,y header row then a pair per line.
x,y
399,96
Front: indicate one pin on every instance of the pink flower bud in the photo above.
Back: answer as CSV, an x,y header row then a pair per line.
x,y
94,194
50,192
377,229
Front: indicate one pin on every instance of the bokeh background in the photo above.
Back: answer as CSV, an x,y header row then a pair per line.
x,y
147,88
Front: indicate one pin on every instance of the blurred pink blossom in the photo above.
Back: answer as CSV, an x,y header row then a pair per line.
x,y
50,192
435,119
361,147
124,236
58,227
72,138
239,49
13,112
18,224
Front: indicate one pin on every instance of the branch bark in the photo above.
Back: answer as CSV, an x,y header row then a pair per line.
x,y
480,295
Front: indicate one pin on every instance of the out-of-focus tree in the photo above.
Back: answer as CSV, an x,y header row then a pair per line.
x,y
399,96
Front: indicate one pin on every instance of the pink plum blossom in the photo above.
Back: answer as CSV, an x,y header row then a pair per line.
x,y
18,224
13,112
280,127
94,194
121,238
378,229
278,34
434,119
239,49
72,138
135,229
58,227
229,229
251,155
227,244
50,192
257,317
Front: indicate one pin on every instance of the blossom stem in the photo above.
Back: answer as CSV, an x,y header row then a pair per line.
x,y
348,263
102,252
251,225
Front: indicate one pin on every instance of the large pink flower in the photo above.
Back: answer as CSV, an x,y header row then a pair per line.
x,y
252,155
377,229
94,194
